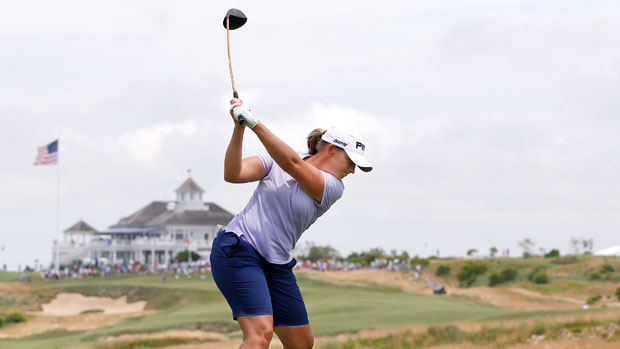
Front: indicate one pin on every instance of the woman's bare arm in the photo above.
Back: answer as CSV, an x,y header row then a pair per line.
x,y
309,177
237,170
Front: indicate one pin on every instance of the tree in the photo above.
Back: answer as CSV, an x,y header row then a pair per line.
x,y
493,251
326,252
471,252
575,245
182,256
588,245
527,246
553,253
581,245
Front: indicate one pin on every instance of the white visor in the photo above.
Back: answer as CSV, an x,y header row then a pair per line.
x,y
352,143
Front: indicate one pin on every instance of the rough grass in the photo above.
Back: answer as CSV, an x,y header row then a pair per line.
x,y
498,337
149,343
92,311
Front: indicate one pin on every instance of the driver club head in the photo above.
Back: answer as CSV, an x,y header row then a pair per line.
x,y
236,18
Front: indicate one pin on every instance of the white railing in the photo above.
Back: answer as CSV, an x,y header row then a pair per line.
x,y
141,243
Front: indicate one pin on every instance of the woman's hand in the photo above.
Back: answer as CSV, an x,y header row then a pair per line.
x,y
235,102
242,113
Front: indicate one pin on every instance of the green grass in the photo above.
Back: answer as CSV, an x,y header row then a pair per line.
x,y
149,343
197,304
497,337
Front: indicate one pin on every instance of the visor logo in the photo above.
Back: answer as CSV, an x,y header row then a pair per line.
x,y
337,141
360,145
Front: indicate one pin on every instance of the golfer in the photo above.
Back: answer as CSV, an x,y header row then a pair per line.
x,y
250,259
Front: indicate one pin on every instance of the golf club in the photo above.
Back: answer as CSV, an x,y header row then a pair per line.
x,y
234,19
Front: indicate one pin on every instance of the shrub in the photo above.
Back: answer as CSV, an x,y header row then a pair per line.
x,y
540,329
442,270
495,279
606,268
566,260
508,274
14,318
443,335
618,293
1,321
422,261
552,254
469,273
593,300
503,276
538,276
541,278
595,276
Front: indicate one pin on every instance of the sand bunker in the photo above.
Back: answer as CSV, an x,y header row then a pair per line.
x,y
73,311
74,304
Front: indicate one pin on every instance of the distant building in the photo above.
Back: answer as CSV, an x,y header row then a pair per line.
x,y
154,234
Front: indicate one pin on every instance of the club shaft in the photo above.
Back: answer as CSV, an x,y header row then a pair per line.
x,y
232,77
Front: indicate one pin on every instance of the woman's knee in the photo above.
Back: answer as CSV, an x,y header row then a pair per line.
x,y
308,341
257,331
257,340
297,337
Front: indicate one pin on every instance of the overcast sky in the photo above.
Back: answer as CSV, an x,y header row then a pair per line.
x,y
487,121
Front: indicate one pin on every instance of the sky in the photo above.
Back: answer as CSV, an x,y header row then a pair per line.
x,y
487,121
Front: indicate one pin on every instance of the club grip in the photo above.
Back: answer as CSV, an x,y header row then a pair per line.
x,y
241,119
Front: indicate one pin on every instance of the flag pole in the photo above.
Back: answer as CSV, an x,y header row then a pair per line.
x,y
57,262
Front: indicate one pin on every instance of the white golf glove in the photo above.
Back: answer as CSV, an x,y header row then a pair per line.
x,y
244,115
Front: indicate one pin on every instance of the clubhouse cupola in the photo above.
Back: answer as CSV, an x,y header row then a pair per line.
x,y
189,197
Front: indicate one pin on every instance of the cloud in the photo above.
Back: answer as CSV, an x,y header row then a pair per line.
x,y
144,145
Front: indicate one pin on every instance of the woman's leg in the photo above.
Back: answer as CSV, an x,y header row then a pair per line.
x,y
257,330
237,272
295,337
290,318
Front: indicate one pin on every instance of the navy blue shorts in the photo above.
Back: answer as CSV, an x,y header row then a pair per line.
x,y
253,286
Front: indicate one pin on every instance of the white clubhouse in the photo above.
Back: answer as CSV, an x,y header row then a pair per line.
x,y
154,234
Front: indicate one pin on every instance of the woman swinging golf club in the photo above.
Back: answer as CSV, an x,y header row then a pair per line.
x,y
251,260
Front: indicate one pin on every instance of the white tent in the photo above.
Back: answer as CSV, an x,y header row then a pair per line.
x,y
610,251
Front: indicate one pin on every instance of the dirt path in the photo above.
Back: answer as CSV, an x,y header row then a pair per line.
x,y
508,297
519,298
40,324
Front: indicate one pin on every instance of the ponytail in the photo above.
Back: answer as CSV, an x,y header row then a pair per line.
x,y
315,143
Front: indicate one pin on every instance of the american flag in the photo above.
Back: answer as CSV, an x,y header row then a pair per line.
x,y
47,154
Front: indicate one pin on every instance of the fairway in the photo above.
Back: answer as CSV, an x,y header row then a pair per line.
x,y
197,304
